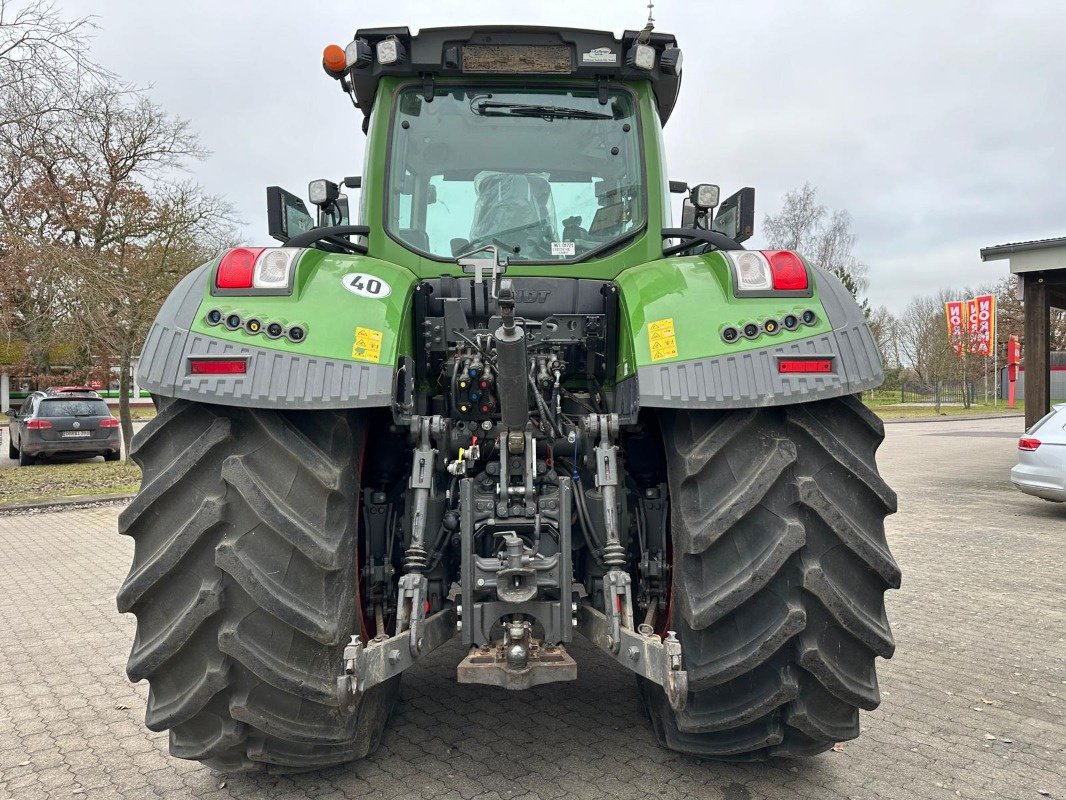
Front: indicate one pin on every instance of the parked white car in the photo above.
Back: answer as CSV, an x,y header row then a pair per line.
x,y
1041,469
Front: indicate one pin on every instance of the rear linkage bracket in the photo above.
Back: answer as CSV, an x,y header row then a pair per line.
x,y
641,650
383,658
416,634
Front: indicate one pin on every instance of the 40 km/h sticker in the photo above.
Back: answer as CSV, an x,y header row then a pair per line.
x,y
366,285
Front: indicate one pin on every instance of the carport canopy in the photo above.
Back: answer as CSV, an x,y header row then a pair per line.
x,y
1041,267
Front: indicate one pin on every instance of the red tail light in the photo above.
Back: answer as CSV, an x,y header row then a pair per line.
x,y
218,366
764,273
793,365
109,422
787,270
38,425
1028,444
236,268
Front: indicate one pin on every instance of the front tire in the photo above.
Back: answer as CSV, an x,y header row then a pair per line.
x,y
780,567
244,585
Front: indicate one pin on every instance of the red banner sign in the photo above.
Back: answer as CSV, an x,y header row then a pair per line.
x,y
981,323
955,312
972,325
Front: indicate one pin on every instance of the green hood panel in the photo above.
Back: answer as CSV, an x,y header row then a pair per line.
x,y
682,305
370,324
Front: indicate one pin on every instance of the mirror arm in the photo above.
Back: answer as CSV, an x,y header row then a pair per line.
x,y
697,235
332,235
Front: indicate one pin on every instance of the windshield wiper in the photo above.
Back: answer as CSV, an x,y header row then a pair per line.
x,y
496,109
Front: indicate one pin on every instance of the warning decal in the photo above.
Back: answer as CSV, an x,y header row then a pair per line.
x,y
661,340
367,345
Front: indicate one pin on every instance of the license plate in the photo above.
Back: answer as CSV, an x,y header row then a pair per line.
x,y
75,434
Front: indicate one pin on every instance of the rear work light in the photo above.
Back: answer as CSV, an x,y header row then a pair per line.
x,y
218,366
808,365
38,425
768,273
257,270
1027,444
109,422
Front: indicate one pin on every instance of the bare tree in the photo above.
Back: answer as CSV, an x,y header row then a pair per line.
x,y
124,284
44,60
925,348
808,227
884,327
1012,316
94,227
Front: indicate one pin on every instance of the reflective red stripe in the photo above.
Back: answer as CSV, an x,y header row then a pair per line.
x,y
217,366
789,365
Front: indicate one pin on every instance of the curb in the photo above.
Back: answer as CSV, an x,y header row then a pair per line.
x,y
952,418
65,502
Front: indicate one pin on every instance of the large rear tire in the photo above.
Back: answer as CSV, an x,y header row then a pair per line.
x,y
780,567
244,584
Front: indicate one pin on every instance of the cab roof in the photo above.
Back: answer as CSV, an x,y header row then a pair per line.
x,y
487,51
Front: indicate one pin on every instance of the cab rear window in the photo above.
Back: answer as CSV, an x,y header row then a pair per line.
x,y
73,408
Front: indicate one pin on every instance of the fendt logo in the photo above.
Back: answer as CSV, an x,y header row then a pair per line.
x,y
531,295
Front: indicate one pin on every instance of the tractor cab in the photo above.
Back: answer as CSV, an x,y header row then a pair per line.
x,y
543,143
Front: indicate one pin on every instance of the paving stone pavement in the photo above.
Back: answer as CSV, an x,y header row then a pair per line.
x,y
972,702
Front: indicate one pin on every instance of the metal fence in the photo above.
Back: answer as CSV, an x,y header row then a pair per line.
x,y
944,393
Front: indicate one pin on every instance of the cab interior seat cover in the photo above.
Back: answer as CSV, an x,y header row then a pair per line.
x,y
507,201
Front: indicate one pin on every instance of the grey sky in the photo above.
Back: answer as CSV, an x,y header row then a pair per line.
x,y
939,124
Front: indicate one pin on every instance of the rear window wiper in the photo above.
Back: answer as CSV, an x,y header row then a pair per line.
x,y
497,109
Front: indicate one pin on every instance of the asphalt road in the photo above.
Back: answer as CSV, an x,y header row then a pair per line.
x,y
972,702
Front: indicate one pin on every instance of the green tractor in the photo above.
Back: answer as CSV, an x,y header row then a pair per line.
x,y
513,403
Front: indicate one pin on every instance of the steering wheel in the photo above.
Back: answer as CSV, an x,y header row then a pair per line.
x,y
495,237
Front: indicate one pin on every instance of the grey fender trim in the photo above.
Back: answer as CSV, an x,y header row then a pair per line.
x,y
751,379
274,379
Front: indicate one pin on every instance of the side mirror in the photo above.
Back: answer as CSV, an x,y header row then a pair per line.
x,y
339,210
736,216
688,214
287,215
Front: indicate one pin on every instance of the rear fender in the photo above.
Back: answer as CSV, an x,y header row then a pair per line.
x,y
355,337
673,354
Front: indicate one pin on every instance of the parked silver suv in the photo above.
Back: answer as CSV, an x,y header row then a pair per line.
x,y
1041,469
76,423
